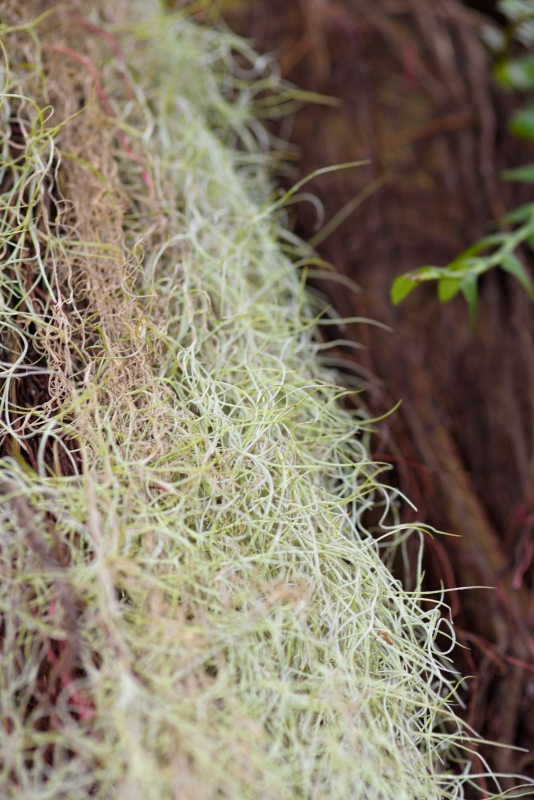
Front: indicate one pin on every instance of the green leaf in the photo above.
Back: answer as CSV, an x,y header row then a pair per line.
x,y
426,274
517,73
460,264
524,33
522,124
470,292
524,174
513,265
518,214
515,9
447,289
492,240
402,286
494,38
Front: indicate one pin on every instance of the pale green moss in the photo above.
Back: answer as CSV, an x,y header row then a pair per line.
x,y
239,635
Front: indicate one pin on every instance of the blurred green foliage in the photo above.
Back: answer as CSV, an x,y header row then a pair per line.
x,y
515,73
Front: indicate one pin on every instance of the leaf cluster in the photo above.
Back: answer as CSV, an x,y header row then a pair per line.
x,y
499,249
496,250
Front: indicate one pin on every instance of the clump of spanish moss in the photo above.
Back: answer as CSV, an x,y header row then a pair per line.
x,y
190,606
